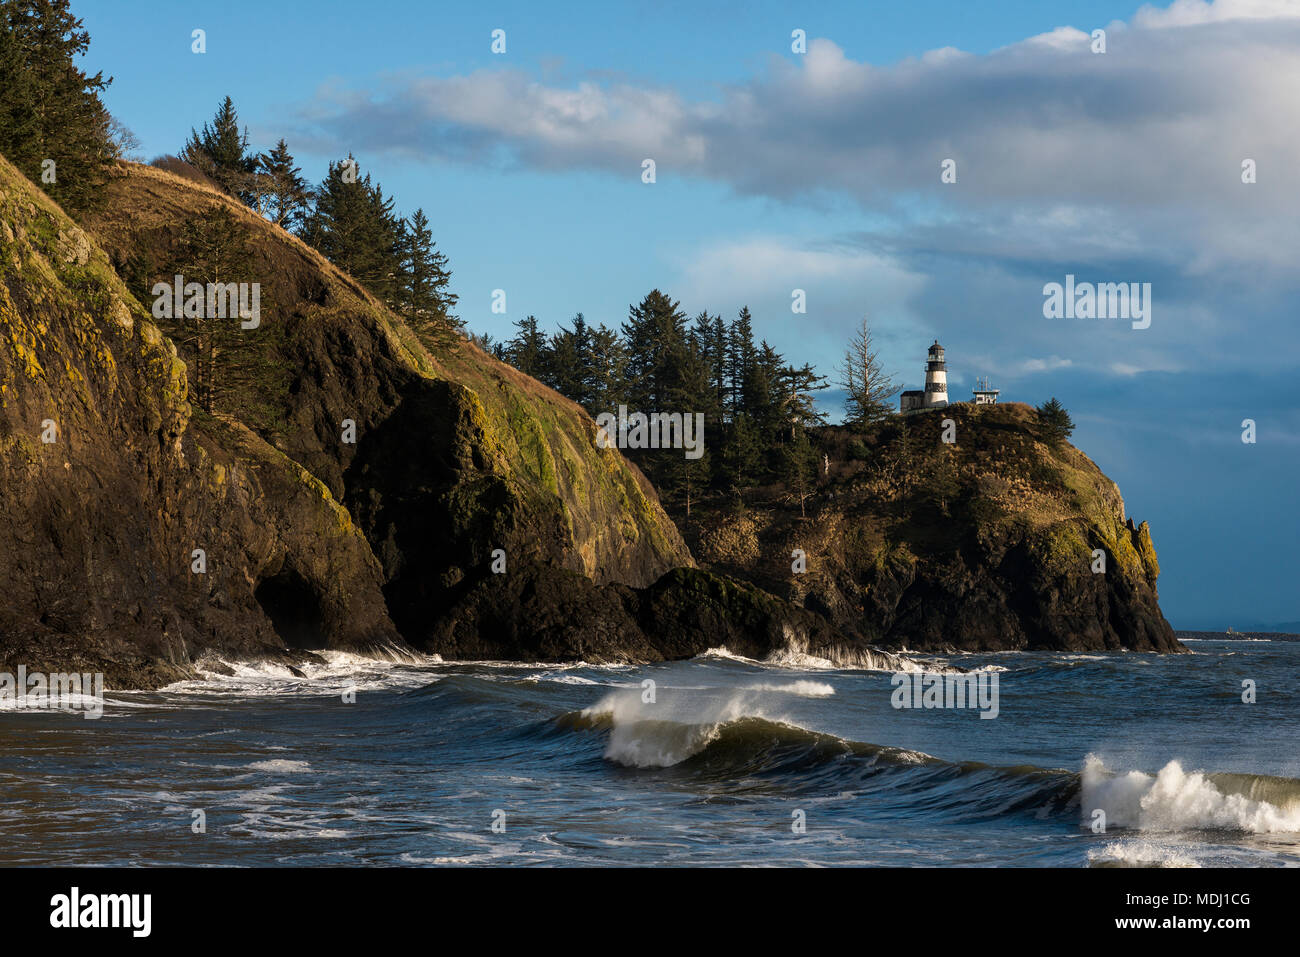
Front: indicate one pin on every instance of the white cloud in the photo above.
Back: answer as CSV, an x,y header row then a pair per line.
x,y
1062,38
1123,166
1045,365
842,283
1183,13
1140,146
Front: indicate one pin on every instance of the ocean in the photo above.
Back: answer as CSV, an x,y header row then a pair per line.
x,y
714,761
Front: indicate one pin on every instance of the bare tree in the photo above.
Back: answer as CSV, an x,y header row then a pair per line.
x,y
869,391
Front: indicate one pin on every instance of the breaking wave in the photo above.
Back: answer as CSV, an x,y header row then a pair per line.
x,y
744,739
1176,800
746,734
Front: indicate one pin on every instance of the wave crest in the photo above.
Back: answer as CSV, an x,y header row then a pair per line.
x,y
1176,800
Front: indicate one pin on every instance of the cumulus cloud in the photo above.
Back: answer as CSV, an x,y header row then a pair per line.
x,y
1122,166
1184,13
1139,147
1045,365
1042,118
841,281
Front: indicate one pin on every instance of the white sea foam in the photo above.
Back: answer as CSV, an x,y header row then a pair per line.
x,y
44,702
281,766
1174,799
725,654
1141,854
795,657
804,688
944,666
557,676
337,672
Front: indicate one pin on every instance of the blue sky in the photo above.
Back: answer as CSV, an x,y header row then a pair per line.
x,y
821,171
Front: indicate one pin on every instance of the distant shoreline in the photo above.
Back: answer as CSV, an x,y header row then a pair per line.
x,y
1241,636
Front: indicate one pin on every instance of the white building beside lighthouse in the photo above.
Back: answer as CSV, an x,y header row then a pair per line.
x,y
984,393
935,394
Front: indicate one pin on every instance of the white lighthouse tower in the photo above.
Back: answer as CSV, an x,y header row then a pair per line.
x,y
936,378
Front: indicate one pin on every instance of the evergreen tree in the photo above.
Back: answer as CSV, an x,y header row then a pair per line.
x,y
868,390
795,388
584,373
224,358
943,484
742,358
353,225
220,152
529,351
287,193
560,370
761,402
608,378
692,393
50,110
426,300
568,367
711,352
741,455
903,457
718,337
656,343
1056,422
799,468
715,334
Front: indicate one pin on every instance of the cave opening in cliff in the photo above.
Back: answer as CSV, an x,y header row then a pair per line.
x,y
294,610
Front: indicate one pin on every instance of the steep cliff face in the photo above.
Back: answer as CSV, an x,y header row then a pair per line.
x,y
108,485
1001,539
455,456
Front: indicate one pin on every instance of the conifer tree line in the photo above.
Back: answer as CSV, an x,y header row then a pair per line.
x,y
347,217
53,125
759,410
757,407
55,128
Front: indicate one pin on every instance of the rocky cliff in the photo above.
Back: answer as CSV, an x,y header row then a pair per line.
x,y
1000,539
352,487
453,455
136,538
353,491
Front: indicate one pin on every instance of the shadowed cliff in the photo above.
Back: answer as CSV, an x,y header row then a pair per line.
x,y
456,455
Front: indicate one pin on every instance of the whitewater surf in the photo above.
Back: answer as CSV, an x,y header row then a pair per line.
x,y
717,760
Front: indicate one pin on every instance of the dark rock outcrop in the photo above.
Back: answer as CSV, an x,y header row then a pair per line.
x,y
550,614
989,543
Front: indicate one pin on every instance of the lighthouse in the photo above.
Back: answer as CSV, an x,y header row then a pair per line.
x,y
936,378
